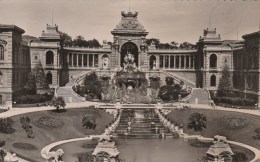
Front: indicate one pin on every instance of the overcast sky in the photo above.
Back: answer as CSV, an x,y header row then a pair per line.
x,y
168,20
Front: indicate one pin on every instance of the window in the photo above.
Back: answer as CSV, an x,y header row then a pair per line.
x,y
49,78
213,80
49,58
2,52
213,61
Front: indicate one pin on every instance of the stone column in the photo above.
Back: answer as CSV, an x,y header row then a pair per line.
x,y
82,62
185,61
77,59
193,62
179,61
169,61
174,63
93,59
163,62
72,59
87,60
190,62
68,58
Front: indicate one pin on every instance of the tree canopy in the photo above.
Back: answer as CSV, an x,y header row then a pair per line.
x,y
171,45
37,82
225,88
78,41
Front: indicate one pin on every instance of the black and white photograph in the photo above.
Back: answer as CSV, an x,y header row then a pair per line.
x,y
129,80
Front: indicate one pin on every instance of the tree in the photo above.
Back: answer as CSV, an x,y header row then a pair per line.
x,y
154,41
31,84
81,42
187,45
42,86
92,86
66,39
225,88
197,121
58,102
174,45
169,92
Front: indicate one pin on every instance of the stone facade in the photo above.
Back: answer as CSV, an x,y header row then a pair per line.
x,y
199,67
14,63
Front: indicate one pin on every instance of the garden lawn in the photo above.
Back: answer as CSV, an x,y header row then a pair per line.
x,y
216,126
43,135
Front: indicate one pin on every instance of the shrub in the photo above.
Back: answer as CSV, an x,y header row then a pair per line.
x,y
197,121
239,157
58,102
85,157
257,131
89,121
31,99
6,125
235,101
25,121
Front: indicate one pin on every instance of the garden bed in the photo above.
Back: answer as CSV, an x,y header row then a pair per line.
x,y
242,130
44,135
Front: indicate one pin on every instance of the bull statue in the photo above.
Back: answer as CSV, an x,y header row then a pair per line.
x,y
104,138
55,156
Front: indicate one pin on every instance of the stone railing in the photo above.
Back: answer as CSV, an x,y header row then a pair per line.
x,y
112,127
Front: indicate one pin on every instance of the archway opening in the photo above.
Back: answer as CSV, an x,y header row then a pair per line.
x,y
49,58
127,48
152,62
213,61
49,78
213,80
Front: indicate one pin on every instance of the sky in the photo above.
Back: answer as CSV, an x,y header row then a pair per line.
x,y
168,20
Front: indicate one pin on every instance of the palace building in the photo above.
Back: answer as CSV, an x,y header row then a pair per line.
x,y
199,67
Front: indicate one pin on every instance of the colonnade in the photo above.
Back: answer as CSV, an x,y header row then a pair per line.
x,y
176,61
82,60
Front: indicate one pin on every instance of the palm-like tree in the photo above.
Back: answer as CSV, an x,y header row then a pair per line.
x,y
58,102
197,121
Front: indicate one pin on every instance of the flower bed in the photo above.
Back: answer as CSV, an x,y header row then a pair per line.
x,y
235,122
50,122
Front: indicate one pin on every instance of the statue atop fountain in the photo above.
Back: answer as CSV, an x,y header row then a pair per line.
x,y
129,63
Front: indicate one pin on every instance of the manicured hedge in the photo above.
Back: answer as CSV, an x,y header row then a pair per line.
x,y
31,99
234,101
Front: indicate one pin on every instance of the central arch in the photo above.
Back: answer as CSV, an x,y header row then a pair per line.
x,y
129,47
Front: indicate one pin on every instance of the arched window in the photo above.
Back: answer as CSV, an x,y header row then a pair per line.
x,y
213,80
49,78
49,58
213,61
152,62
2,55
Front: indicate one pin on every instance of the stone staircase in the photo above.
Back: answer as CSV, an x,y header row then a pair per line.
x,y
200,94
66,93
141,127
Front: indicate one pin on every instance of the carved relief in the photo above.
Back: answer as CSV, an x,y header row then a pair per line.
x,y
129,24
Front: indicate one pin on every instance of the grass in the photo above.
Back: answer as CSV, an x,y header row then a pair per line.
x,y
215,125
45,135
